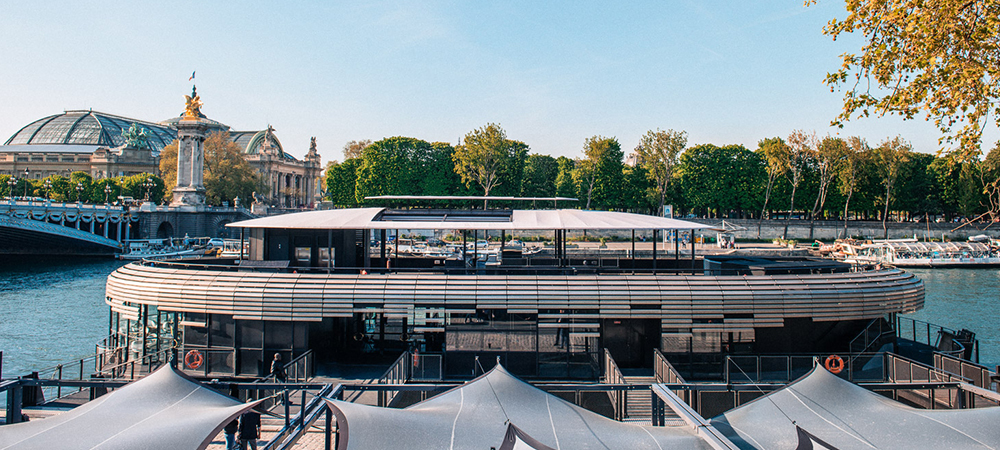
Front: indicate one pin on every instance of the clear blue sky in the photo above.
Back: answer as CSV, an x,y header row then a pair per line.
x,y
551,73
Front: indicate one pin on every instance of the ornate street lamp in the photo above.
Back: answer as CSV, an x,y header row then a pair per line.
x,y
11,183
79,190
107,192
26,181
48,187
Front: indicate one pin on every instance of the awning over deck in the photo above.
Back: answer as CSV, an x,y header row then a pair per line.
x,y
829,412
556,219
165,410
478,414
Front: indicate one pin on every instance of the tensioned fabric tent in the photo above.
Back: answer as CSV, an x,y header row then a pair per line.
x,y
164,410
477,416
831,413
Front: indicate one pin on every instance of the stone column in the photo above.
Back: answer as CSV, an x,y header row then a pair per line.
x,y
190,192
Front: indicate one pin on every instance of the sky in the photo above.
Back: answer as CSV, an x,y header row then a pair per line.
x,y
552,74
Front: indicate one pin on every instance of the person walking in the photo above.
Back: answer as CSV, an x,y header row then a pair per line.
x,y
278,371
249,430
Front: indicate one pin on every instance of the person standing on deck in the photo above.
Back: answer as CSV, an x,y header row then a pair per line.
x,y
249,430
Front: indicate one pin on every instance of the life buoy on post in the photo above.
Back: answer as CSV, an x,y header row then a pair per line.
x,y
193,359
834,364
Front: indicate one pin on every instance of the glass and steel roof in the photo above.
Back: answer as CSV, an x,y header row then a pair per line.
x,y
88,128
252,142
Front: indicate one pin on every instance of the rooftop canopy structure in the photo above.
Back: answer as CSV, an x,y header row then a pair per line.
x,y
509,220
165,410
820,410
500,411
89,128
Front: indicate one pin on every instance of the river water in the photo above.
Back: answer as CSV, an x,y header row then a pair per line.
x,y
52,311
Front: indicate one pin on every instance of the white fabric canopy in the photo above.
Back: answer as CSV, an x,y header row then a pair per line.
x,y
840,415
476,416
165,410
554,219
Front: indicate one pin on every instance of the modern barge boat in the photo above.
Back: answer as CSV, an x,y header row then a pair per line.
x,y
318,281
910,253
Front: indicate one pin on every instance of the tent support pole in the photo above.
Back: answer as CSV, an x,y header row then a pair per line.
x,y
692,252
654,251
633,251
329,423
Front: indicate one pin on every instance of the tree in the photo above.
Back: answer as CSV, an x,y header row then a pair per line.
x,y
856,155
826,156
798,159
775,153
991,181
565,186
390,166
228,175
488,158
600,174
353,149
540,173
341,179
168,168
721,178
438,175
658,151
937,57
890,156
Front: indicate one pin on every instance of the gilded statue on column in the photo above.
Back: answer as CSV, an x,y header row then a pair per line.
x,y
192,107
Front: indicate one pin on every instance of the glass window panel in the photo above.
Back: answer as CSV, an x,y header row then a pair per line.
x,y
222,361
324,257
87,131
22,136
251,333
196,336
223,329
278,335
56,130
251,362
303,255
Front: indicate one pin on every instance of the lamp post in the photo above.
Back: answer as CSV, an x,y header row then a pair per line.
x,y
107,192
79,190
48,188
11,183
26,181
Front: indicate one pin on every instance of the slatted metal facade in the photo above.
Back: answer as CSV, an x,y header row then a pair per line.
x,y
684,303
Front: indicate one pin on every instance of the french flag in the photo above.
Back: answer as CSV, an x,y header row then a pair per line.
x,y
192,76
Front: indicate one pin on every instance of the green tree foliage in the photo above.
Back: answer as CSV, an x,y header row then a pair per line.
x,y
774,152
890,157
168,168
490,160
438,171
540,173
353,149
565,186
799,157
391,166
991,181
857,155
725,179
639,192
658,151
341,179
600,174
940,58
228,175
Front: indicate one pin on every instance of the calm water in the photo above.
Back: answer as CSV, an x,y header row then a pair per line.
x,y
52,310
965,298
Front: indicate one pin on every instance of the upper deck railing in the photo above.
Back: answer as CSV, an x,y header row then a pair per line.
x,y
576,265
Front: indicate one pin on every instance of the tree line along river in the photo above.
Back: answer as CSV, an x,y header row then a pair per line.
x,y
52,310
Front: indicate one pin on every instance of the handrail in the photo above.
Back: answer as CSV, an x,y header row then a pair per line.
x,y
980,375
398,373
293,429
664,371
613,375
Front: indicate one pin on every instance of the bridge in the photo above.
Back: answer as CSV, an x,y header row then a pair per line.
x,y
43,227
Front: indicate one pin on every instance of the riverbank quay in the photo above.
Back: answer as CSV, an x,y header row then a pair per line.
x,y
829,230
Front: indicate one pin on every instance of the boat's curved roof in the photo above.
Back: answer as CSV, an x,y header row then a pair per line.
x,y
553,219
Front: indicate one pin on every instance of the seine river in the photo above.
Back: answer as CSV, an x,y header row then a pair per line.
x,y
52,310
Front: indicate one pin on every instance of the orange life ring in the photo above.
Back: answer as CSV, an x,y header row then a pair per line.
x,y
193,359
834,364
